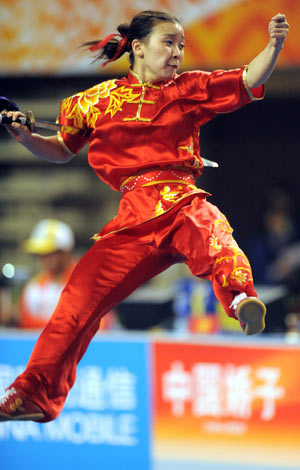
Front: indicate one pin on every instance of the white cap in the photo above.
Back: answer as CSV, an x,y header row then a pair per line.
x,y
49,235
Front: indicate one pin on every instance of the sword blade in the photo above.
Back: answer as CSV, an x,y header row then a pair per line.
x,y
54,126
51,126
210,163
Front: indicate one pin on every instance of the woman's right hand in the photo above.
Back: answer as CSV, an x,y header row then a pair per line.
x,y
44,147
18,131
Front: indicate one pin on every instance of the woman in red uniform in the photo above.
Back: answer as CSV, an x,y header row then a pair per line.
x,y
143,136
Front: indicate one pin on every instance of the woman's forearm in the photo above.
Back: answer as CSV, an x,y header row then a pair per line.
x,y
47,148
262,66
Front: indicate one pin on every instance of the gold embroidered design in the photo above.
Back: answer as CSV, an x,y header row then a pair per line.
x,y
234,246
143,101
169,195
238,273
138,119
190,148
224,225
233,257
159,209
140,102
186,183
213,241
118,97
86,102
241,274
141,83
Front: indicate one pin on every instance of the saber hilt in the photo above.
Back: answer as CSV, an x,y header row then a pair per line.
x,y
27,120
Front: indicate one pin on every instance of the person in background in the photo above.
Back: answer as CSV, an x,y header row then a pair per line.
x,y
276,235
52,243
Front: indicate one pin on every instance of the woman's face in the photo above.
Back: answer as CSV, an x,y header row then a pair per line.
x,y
160,55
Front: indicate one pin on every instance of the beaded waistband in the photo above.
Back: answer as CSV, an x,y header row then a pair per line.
x,y
157,176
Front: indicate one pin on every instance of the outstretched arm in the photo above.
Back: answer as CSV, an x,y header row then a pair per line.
x,y
45,148
261,67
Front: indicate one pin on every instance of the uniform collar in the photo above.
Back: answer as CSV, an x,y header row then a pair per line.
x,y
134,78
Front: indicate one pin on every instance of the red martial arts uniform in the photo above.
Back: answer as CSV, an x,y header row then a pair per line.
x,y
143,141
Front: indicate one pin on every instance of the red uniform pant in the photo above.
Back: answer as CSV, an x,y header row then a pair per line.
x,y
197,234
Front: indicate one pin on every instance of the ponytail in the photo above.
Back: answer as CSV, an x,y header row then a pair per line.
x,y
113,46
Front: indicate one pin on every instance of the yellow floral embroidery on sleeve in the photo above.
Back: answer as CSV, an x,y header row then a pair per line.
x,y
118,97
85,104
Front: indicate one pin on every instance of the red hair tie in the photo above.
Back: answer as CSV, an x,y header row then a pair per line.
x,y
121,46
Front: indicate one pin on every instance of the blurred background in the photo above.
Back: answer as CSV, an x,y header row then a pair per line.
x,y
257,148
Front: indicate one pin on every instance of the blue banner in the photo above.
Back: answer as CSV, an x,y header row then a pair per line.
x,y
105,423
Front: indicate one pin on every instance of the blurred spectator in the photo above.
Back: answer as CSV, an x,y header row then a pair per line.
x,y
279,230
195,305
285,268
52,242
292,334
197,309
274,253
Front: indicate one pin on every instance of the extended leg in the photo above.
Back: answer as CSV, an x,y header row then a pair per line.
x,y
205,239
112,269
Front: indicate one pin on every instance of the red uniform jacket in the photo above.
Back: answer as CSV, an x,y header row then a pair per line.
x,y
134,127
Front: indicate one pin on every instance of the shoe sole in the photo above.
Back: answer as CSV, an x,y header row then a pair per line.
x,y
28,417
252,312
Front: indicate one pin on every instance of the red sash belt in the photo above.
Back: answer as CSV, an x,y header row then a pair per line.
x,y
158,176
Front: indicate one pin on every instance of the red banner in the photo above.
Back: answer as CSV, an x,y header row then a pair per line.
x,y
227,403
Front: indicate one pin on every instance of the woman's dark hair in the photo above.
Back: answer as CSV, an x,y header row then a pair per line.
x,y
139,28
